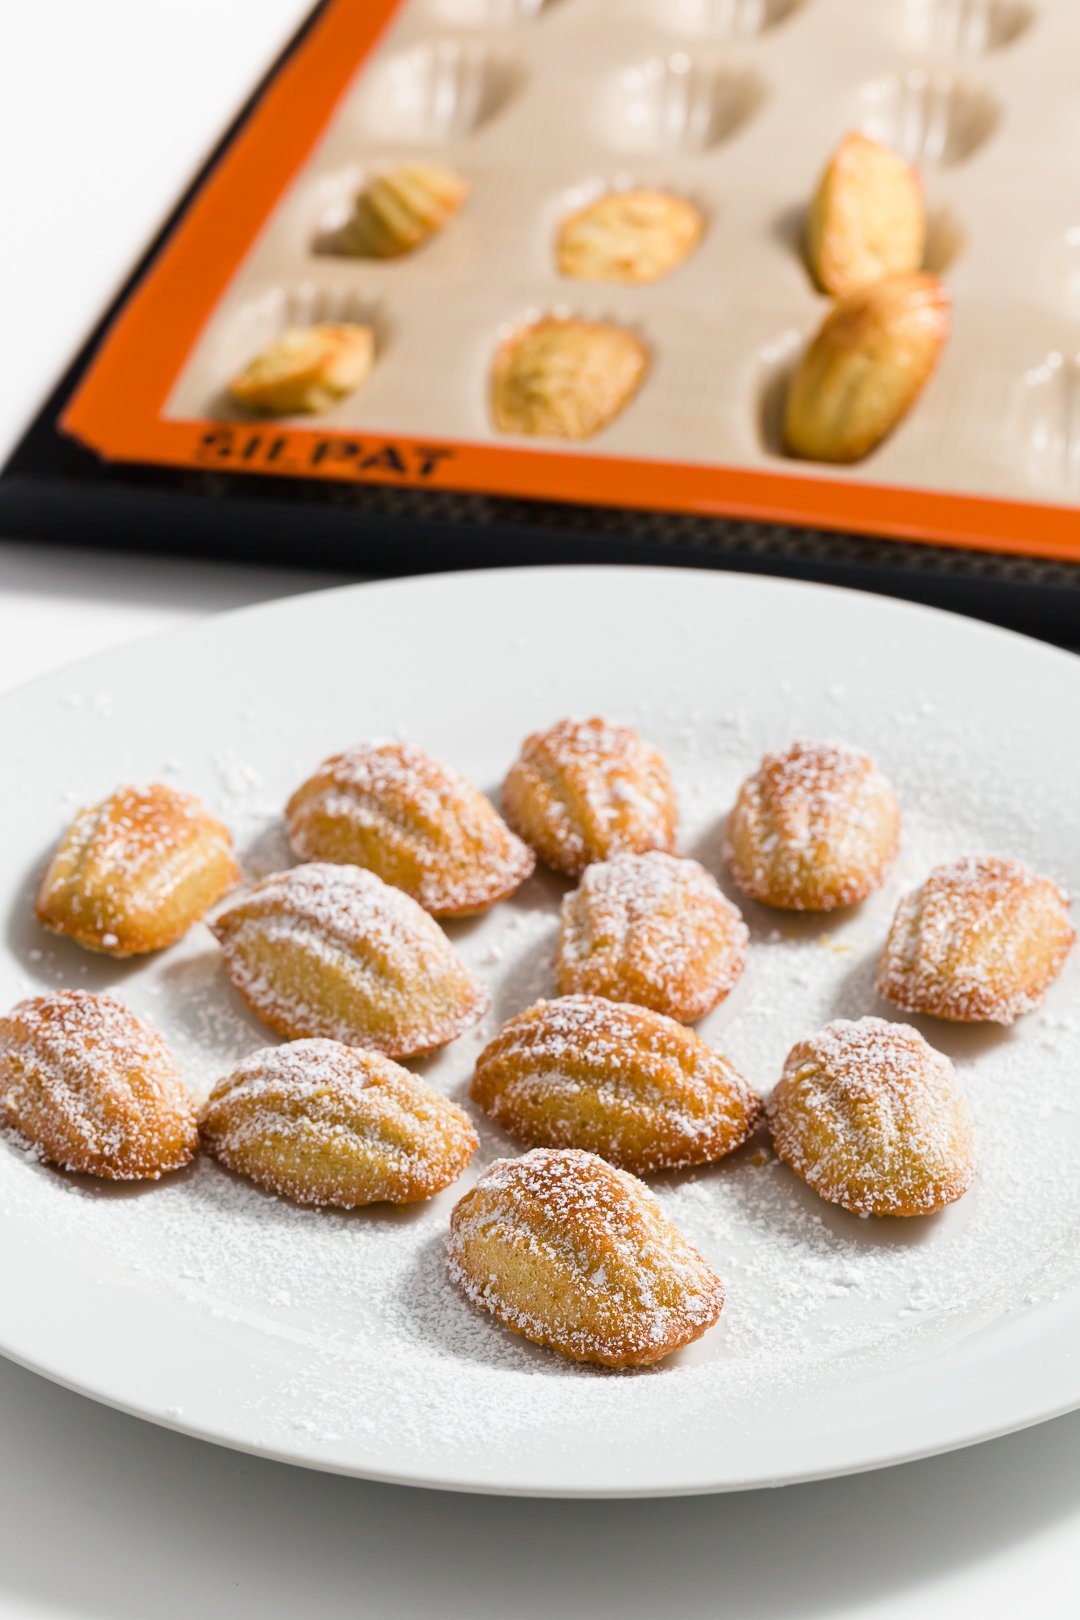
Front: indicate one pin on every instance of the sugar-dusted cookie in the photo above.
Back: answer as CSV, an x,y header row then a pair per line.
x,y
587,789
653,929
867,220
575,1255
324,1123
873,1118
418,824
306,369
133,873
94,1088
334,951
982,939
637,235
637,1088
866,367
815,827
563,378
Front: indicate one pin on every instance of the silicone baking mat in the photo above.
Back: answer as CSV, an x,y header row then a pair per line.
x,y
735,104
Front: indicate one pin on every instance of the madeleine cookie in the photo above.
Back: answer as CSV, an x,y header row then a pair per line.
x,y
814,828
873,1118
94,1088
323,1123
399,210
588,789
565,379
865,368
577,1256
637,1088
651,929
637,236
867,220
418,824
982,940
133,873
334,951
308,368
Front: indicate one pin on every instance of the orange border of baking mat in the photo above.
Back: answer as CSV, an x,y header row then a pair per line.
x,y
116,410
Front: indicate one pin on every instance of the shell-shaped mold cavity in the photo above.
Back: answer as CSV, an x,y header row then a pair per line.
x,y
677,103
259,322
439,91
964,27
931,118
1046,424
721,19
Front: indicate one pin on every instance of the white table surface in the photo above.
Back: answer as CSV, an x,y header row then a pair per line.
x,y
106,107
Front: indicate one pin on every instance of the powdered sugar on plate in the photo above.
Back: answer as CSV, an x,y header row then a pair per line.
x,y
353,1329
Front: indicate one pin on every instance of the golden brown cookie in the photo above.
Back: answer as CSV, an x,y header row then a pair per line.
x,y
133,873
865,368
306,369
417,823
637,1088
94,1088
324,1123
637,236
814,828
587,789
651,929
873,1118
333,951
867,220
573,1254
565,378
400,210
983,939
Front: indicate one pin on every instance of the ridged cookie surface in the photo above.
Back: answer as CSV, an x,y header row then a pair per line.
x,y
633,1086
94,1088
333,951
414,821
873,1118
983,939
324,1123
573,1254
133,873
587,789
652,929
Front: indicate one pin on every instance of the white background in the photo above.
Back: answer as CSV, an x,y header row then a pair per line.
x,y
106,108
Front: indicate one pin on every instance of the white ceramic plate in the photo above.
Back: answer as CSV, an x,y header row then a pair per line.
x,y
335,1340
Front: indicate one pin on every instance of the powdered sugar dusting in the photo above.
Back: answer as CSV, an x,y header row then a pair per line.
x,y
352,1333
982,938
652,929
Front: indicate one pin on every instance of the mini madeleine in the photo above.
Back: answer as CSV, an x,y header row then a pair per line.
x,y
334,952
565,378
637,236
418,824
653,929
867,220
133,873
323,1123
624,1082
816,827
306,369
94,1088
982,940
585,790
400,210
873,1118
577,1256
866,367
